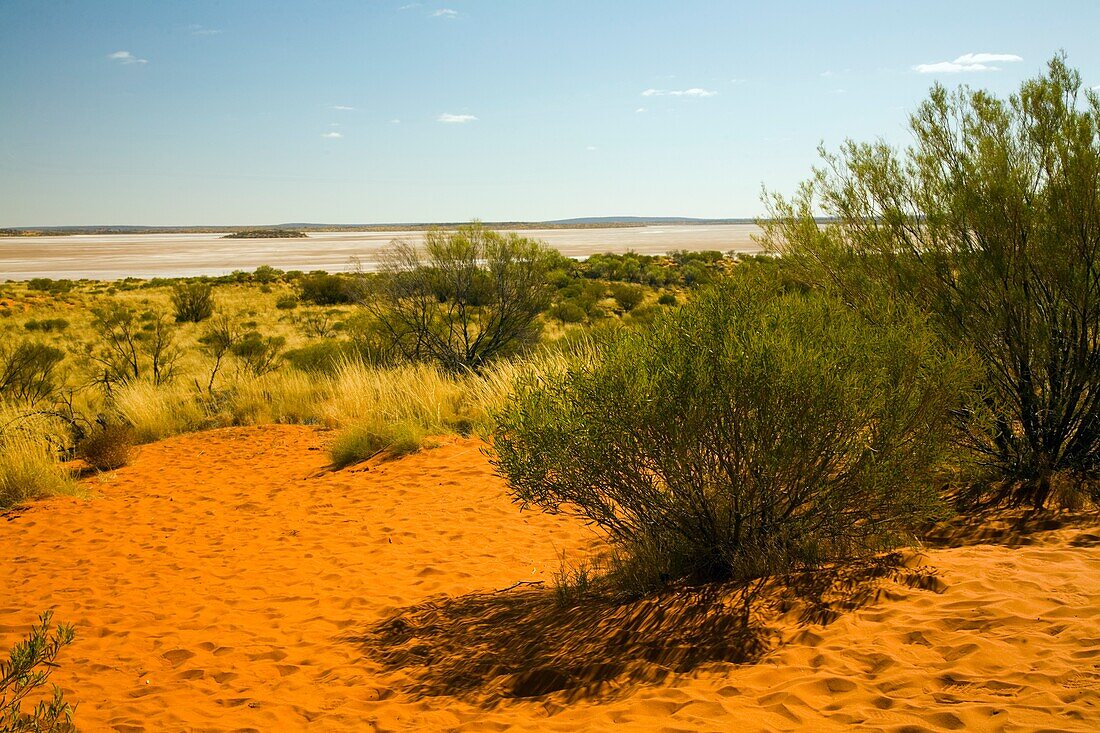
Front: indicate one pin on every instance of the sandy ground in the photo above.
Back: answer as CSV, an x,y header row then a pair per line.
x,y
228,581
114,256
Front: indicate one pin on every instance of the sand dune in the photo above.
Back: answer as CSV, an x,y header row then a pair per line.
x,y
228,581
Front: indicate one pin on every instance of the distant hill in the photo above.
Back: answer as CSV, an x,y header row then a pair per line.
x,y
645,220
239,231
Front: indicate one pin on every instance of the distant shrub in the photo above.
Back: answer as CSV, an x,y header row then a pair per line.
x,y
363,441
193,301
627,296
321,357
258,353
743,435
568,312
667,299
53,287
265,274
323,288
107,445
46,325
24,675
27,371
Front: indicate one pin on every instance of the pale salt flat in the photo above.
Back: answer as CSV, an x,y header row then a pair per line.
x,y
115,256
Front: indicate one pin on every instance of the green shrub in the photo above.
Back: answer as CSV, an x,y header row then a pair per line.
x,y
367,440
321,357
265,274
46,325
667,299
568,312
193,301
286,303
628,296
53,287
322,288
743,435
107,445
24,675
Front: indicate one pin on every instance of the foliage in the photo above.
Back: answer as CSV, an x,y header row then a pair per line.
x,y
322,288
53,287
27,371
193,301
265,274
628,297
990,222
46,325
27,670
469,296
743,435
667,299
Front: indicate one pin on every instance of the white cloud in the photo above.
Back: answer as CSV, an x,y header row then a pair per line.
x,y
828,73
198,30
591,147
1097,87
395,121
639,110
738,81
410,6
968,62
445,13
332,135
693,92
343,108
125,57
452,119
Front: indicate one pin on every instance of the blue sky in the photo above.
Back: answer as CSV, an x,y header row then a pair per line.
x,y
360,112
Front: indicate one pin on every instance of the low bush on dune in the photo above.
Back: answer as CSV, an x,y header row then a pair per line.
x,y
366,440
24,676
748,433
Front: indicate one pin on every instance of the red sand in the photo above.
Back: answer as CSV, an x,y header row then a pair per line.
x,y
227,581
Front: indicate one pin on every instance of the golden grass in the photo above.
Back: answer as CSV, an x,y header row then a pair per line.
x,y
29,468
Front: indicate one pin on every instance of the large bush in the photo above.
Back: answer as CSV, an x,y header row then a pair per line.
x,y
744,434
990,222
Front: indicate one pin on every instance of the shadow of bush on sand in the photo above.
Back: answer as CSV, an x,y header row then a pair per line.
x,y
521,643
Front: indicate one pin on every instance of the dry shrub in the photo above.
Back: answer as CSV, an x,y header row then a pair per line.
x,y
107,445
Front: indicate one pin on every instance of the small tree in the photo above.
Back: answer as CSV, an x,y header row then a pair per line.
x,y
990,222
218,341
130,350
466,297
27,371
745,434
193,301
